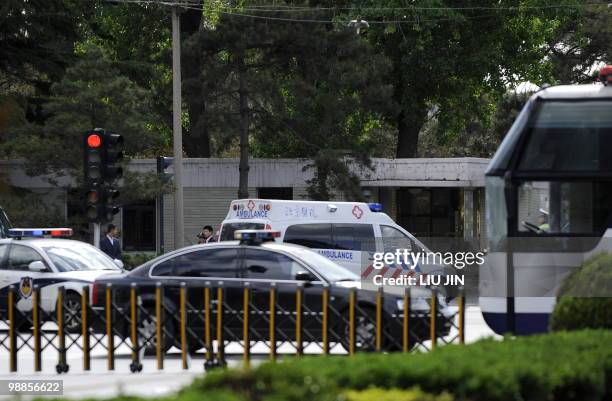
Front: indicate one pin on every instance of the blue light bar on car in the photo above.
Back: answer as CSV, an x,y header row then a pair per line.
x,y
39,232
251,235
375,207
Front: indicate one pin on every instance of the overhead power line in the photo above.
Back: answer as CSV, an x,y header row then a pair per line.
x,y
254,10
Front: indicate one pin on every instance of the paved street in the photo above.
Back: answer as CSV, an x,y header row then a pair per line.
x,y
100,383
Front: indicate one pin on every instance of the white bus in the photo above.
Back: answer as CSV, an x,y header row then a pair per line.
x,y
549,203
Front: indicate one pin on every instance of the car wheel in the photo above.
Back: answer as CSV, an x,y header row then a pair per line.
x,y
72,313
365,331
147,330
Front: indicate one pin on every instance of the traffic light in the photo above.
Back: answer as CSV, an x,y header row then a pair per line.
x,y
112,156
93,144
102,169
92,204
162,164
108,207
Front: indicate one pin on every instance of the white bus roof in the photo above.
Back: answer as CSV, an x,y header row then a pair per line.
x,y
295,210
594,91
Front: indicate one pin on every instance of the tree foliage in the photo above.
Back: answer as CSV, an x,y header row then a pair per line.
x,y
291,79
446,56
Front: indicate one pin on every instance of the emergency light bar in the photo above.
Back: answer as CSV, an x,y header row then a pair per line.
x,y
605,74
256,235
375,207
40,232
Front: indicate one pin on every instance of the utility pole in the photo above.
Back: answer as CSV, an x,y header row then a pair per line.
x,y
177,129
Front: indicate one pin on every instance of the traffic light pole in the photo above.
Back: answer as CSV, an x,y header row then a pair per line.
x,y
177,129
96,233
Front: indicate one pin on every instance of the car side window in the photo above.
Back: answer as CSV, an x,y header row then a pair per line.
x,y
221,262
394,239
310,235
3,250
163,269
21,256
268,265
353,237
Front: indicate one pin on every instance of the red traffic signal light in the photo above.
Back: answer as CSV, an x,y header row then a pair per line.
x,y
94,141
92,196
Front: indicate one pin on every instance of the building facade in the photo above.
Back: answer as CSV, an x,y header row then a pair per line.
x,y
430,197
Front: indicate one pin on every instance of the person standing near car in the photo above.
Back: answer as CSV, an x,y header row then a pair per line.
x,y
206,235
109,244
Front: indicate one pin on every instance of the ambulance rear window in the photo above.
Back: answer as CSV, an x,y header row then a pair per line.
x,y
228,229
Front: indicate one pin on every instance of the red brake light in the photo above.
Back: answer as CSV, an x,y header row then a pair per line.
x,y
94,141
94,294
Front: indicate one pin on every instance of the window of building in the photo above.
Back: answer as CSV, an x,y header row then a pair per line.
x,y
138,229
428,212
283,193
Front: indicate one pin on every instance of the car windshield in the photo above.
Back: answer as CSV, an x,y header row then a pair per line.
x,y
4,224
76,256
325,267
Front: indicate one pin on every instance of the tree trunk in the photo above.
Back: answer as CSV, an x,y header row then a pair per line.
x,y
243,186
409,124
197,143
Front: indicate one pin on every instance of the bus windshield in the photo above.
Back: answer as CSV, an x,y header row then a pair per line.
x,y
570,136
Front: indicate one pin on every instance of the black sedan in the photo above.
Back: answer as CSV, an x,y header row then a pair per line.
x,y
230,265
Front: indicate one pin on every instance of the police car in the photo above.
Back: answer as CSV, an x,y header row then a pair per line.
x,y
257,259
44,257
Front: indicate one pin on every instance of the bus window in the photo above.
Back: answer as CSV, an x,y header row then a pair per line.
x,y
553,207
570,136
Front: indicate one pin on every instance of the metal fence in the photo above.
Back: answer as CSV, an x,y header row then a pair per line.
x,y
152,319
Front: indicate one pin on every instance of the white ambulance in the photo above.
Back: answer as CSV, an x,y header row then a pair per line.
x,y
348,233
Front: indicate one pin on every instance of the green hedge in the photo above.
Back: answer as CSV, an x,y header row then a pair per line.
x,y
559,366
378,394
132,260
584,297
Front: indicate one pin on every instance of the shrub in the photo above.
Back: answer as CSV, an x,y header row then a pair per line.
x,y
378,394
559,366
132,260
584,298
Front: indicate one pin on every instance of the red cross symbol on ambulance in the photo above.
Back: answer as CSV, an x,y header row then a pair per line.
x,y
357,212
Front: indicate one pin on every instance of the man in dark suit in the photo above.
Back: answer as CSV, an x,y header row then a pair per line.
x,y
109,244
